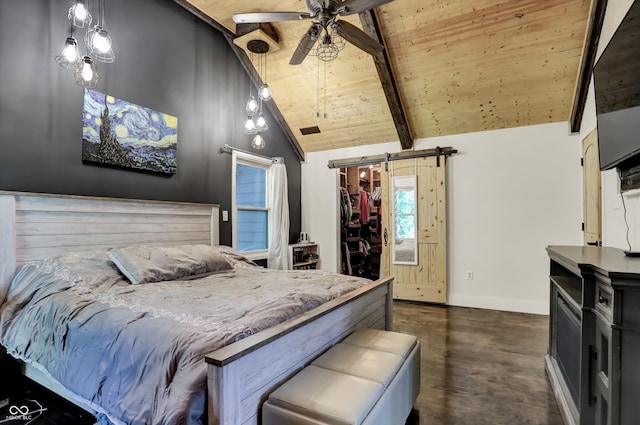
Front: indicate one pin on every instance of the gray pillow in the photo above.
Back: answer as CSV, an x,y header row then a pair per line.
x,y
145,263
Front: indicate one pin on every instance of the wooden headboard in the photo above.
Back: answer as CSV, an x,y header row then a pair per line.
x,y
36,226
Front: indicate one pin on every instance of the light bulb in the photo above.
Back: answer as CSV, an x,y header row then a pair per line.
x,y
252,106
68,57
258,142
250,125
100,42
261,123
264,92
69,53
80,12
87,72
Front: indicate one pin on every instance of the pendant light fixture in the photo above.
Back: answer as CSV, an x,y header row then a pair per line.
x,y
264,92
252,103
250,126
87,73
79,14
69,58
256,123
261,123
258,142
98,40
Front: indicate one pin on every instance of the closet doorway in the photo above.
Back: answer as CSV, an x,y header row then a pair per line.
x,y
360,222
419,270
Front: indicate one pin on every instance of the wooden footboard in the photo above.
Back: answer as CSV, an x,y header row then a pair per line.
x,y
241,375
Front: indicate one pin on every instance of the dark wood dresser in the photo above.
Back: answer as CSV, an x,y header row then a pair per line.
x,y
593,362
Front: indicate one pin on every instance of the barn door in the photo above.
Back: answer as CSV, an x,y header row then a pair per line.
x,y
591,190
415,254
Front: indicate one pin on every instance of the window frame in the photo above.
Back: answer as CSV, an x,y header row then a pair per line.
x,y
249,160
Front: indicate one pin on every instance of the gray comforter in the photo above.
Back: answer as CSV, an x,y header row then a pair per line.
x,y
135,352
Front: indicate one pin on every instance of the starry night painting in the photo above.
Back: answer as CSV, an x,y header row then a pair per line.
x,y
116,132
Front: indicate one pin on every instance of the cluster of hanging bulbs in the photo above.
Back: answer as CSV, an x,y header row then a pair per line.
x,y
256,124
97,41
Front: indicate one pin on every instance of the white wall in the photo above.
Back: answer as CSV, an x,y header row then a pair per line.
x,y
510,194
614,229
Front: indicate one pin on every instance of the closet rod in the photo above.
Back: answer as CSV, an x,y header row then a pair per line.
x,y
229,149
377,159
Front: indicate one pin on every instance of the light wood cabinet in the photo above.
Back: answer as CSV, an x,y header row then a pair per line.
x,y
594,335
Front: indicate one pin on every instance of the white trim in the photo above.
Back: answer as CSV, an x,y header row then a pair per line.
x,y
243,158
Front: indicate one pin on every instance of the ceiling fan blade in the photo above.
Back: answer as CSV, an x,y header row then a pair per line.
x,y
259,17
350,7
306,44
358,38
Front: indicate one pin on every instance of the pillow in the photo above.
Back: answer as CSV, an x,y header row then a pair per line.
x,y
144,263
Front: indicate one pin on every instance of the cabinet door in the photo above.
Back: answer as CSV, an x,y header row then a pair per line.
x,y
602,373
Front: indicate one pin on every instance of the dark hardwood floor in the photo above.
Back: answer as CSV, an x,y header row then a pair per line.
x,y
479,366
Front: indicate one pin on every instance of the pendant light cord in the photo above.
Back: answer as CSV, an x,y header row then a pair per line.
x,y
101,15
324,89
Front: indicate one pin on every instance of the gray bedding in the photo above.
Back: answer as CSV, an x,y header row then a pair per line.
x,y
136,352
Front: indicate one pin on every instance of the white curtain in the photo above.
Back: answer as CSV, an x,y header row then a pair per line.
x,y
279,223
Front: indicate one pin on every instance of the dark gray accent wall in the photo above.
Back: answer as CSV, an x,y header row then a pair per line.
x,y
167,60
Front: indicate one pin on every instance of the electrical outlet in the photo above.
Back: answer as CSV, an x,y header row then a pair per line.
x,y
225,215
469,275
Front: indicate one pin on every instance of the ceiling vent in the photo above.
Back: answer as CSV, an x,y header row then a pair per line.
x,y
310,130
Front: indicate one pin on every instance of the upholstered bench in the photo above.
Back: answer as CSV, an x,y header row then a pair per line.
x,y
370,378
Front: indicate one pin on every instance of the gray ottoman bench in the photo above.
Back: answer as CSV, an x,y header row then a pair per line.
x,y
372,377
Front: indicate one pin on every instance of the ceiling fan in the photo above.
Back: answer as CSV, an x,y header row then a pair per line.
x,y
325,26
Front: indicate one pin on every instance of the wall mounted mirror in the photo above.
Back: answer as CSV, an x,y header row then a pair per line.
x,y
404,244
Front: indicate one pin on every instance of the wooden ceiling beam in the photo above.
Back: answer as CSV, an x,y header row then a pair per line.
x,y
248,67
371,26
592,37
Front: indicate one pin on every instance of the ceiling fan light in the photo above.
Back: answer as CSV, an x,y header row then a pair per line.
x,y
337,40
264,92
69,57
79,14
258,142
326,52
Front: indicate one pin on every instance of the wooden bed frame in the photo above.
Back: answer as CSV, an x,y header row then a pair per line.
x,y
241,375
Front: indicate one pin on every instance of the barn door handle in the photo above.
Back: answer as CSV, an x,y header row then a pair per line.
x,y
385,236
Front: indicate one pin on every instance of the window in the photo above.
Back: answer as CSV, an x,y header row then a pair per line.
x,y
250,204
404,248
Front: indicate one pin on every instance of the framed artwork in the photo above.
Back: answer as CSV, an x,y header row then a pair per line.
x,y
119,133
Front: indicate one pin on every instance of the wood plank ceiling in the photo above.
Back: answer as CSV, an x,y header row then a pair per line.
x,y
460,66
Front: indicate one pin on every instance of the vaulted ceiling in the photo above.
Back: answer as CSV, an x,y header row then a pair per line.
x,y
459,66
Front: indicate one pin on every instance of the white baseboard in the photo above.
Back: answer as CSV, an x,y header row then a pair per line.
x,y
504,304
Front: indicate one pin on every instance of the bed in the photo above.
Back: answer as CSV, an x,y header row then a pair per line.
x,y
239,375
